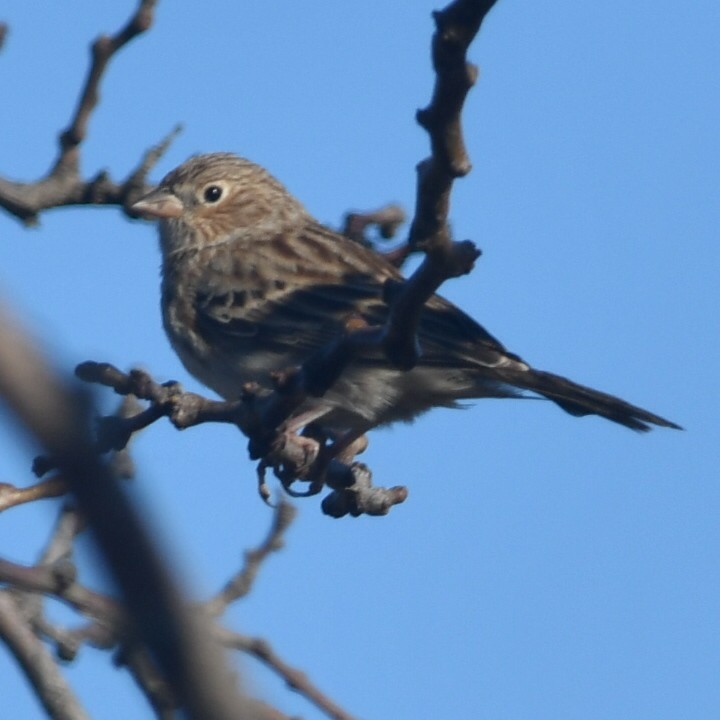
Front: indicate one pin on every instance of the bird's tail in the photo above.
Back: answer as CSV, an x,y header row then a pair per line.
x,y
580,400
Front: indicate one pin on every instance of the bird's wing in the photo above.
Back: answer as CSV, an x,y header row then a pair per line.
x,y
448,336
299,319
296,321
302,321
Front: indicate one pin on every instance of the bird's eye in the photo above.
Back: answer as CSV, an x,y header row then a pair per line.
x,y
212,193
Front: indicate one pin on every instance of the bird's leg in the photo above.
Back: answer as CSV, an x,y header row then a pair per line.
x,y
348,445
293,424
307,457
305,448
293,456
300,449
344,448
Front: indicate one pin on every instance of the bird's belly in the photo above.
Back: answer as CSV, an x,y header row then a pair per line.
x,y
227,375
365,395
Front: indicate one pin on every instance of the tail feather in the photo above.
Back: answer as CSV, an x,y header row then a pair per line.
x,y
580,400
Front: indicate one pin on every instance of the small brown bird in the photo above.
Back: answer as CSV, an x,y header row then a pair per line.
x,y
252,284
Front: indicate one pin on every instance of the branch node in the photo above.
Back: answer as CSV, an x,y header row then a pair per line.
x,y
64,574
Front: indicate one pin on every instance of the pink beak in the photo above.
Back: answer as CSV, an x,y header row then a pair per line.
x,y
160,203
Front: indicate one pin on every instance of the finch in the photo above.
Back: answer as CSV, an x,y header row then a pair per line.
x,y
253,284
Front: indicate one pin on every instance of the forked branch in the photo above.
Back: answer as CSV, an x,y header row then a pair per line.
x,y
63,185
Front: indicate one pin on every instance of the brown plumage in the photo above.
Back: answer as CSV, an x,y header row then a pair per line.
x,y
253,284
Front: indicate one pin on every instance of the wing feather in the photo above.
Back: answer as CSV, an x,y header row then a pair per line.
x,y
287,319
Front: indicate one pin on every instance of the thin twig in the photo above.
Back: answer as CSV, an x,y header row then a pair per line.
x,y
102,51
456,27
12,496
295,679
241,583
259,414
59,546
62,185
39,667
57,417
60,582
387,219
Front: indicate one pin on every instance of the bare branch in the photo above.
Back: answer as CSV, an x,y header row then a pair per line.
x,y
59,581
145,673
37,664
296,679
56,579
102,51
60,189
354,494
60,544
260,415
63,186
121,466
11,496
387,219
239,585
57,417
456,27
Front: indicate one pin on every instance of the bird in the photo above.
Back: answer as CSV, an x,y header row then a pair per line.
x,y
253,285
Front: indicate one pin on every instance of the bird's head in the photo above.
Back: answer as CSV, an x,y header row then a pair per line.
x,y
218,197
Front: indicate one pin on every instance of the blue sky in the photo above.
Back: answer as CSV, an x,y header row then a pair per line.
x,y
543,566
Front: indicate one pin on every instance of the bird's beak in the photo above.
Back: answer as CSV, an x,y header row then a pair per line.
x,y
160,203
